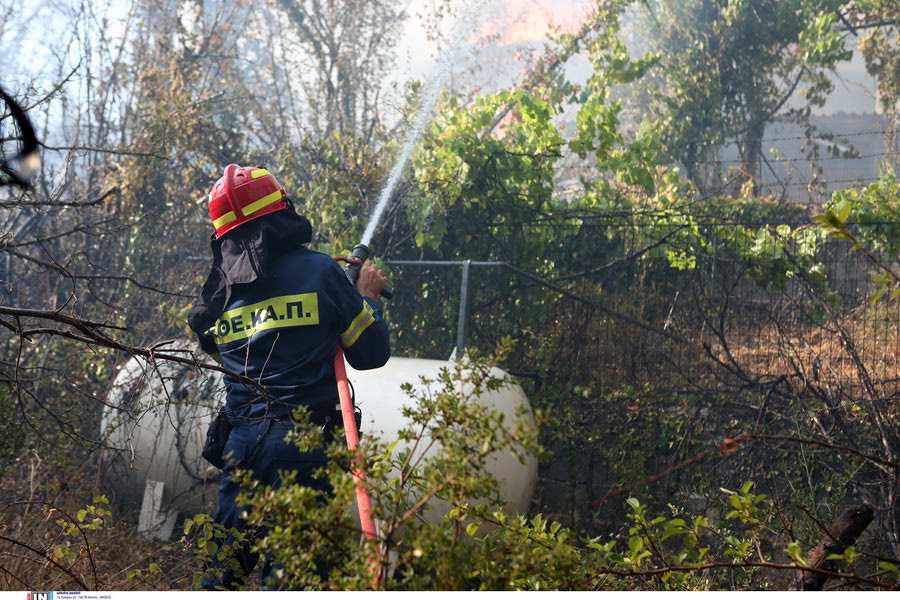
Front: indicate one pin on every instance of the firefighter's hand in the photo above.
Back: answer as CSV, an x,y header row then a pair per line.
x,y
370,281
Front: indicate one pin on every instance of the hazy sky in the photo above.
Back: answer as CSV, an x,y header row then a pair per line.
x,y
513,22
518,21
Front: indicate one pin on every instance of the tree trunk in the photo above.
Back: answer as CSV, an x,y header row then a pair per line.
x,y
841,534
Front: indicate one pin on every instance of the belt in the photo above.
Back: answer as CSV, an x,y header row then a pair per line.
x,y
321,417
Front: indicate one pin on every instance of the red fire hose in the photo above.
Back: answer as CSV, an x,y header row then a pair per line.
x,y
363,499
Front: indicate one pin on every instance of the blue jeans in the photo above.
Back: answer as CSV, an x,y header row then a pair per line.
x,y
258,446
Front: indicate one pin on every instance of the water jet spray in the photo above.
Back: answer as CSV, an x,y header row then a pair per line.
x,y
429,101
360,252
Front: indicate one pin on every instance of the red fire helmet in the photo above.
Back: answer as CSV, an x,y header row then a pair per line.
x,y
243,194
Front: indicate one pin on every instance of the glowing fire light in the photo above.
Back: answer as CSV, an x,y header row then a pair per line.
x,y
530,20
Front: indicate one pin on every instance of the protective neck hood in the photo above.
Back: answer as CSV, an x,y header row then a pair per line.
x,y
244,255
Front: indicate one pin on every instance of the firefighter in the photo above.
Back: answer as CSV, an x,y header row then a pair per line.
x,y
273,311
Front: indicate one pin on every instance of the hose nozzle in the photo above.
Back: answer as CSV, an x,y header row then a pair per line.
x,y
358,256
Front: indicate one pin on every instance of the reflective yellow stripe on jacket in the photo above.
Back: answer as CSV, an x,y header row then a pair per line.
x,y
365,318
283,311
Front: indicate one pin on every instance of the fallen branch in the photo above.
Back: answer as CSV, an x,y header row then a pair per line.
x,y
842,533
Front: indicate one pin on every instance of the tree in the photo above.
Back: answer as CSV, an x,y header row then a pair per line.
x,y
879,29
730,68
344,62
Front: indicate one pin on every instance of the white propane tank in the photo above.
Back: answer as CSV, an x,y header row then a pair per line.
x,y
157,418
380,397
154,426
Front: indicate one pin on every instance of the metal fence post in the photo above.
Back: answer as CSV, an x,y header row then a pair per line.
x,y
463,323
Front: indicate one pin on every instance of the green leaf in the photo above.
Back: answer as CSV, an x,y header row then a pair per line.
x,y
888,566
845,208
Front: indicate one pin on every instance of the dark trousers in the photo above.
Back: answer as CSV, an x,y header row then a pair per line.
x,y
260,447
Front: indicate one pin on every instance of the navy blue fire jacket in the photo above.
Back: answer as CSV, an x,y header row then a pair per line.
x,y
281,328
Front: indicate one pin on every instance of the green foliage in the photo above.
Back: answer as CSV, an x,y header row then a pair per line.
x,y
772,255
820,43
484,177
722,72
638,424
207,537
631,163
467,541
337,186
875,207
880,48
407,480
483,182
746,506
76,551
471,182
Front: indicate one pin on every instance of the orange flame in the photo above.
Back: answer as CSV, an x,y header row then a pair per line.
x,y
531,20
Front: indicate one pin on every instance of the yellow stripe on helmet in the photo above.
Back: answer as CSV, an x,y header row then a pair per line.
x,y
261,203
259,173
224,219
